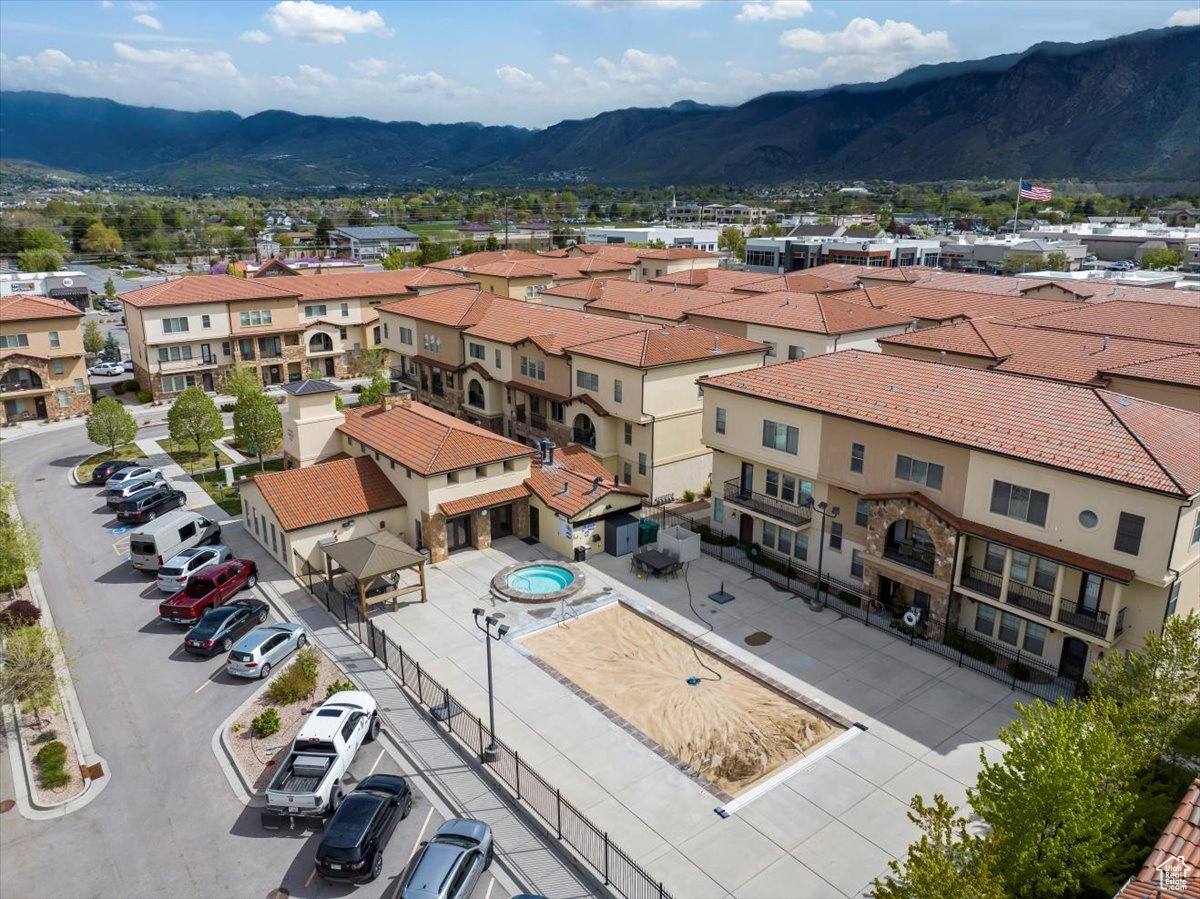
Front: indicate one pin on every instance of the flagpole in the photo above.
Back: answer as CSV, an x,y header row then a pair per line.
x,y
1017,211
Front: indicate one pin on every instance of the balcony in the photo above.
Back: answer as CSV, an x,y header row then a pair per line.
x,y
177,365
537,421
1031,599
766,505
1090,621
910,555
981,580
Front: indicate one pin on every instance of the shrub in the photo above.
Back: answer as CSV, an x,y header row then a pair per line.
x,y
118,388
708,490
228,407
849,598
337,687
266,723
132,385
689,496
306,661
45,737
1020,671
972,648
707,535
298,681
358,388
144,396
51,761
95,393
21,613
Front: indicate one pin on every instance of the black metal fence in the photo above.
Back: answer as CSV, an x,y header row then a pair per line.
x,y
567,822
968,649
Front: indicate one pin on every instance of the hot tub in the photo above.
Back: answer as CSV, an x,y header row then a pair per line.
x,y
538,581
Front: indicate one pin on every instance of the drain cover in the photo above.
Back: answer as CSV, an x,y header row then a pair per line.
x,y
6,805
280,893
758,638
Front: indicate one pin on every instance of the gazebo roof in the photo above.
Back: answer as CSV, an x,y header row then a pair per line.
x,y
375,554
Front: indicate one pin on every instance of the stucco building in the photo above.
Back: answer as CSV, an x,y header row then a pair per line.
x,y
43,370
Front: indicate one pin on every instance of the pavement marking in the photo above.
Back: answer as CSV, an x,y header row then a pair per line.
x,y
121,547
416,846
378,759
210,679
310,877
488,893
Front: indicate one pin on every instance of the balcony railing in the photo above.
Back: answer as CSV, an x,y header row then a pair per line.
x,y
19,386
911,555
767,505
1092,621
981,580
176,365
537,420
1030,598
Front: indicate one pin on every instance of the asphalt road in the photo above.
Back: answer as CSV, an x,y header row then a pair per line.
x,y
168,823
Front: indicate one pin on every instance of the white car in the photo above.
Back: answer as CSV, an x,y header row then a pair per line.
x,y
136,473
260,650
107,368
174,573
127,365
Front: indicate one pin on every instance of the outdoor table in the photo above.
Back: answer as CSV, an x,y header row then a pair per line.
x,y
656,560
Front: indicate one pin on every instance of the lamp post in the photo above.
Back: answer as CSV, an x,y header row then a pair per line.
x,y
823,509
491,752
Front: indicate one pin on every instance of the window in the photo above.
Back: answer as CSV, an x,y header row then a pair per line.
x,y
993,558
63,399
784,438
1021,503
785,540
432,343
858,454
919,472
1195,532
618,391
174,325
718,510
628,434
534,369
225,351
556,411
79,388
795,352
1088,519
12,341
800,548
497,358
772,349
255,317
641,463
54,342
1129,533
1019,571
406,336
985,620
314,310
385,332
856,564
476,351
345,310
862,513
835,535
1172,601
58,367
174,353
772,485
1045,573
1035,638
206,321
586,380
787,492
721,430
627,472
768,535
1010,626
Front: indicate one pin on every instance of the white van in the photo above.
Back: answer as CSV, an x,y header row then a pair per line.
x,y
156,541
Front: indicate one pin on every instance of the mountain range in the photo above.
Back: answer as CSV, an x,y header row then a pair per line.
x,y
1121,108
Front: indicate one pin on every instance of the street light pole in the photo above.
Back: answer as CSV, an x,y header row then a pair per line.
x,y
491,752
822,508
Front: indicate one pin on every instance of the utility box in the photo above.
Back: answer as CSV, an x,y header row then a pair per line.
x,y
647,531
620,534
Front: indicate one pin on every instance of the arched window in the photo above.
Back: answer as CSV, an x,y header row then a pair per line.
x,y
320,343
910,544
21,379
583,431
475,394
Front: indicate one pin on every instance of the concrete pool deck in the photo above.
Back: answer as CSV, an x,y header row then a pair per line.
x,y
827,830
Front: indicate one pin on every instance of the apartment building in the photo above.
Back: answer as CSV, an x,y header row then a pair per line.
x,y
371,242
523,276
1060,520
658,303
43,370
190,331
624,389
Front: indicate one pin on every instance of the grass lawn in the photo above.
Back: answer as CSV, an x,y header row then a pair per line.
x,y
129,451
226,497
185,454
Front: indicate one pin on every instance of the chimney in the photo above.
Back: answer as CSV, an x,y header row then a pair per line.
x,y
550,444
400,400
566,489
541,448
596,482
616,480
1104,344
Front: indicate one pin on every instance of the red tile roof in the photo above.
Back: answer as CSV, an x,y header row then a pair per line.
x,y
484,500
302,497
484,256
656,300
213,289
21,307
576,469
457,307
1079,429
796,282
667,346
810,312
553,329
713,278
674,254
426,440
945,305
1120,318
1180,842
1176,368
372,284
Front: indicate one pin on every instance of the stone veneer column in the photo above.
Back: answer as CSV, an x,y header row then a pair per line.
x,y
520,515
433,536
481,529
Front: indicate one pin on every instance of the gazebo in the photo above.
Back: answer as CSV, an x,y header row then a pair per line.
x,y
371,558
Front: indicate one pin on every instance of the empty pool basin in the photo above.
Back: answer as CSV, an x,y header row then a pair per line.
x,y
538,581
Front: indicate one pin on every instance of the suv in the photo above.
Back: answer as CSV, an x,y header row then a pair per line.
x,y
122,492
173,574
105,470
354,840
147,505
449,865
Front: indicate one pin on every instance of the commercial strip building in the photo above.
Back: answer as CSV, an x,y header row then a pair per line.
x,y
1057,519
69,286
370,242
794,253
43,369
970,252
673,238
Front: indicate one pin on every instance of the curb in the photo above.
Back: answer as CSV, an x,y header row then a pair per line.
x,y
242,788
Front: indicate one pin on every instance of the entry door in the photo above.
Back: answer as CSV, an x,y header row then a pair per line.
x,y
206,354
502,521
534,527
1089,594
458,534
208,381
746,485
1074,658
40,404
746,534
329,368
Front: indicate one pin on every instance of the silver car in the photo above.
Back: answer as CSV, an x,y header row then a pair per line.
x,y
133,473
122,492
173,575
264,648
449,865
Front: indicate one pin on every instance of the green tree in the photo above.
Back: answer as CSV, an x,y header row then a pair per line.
x,y
241,379
40,261
368,362
194,418
731,240
110,289
27,675
1157,259
358,217
110,424
431,251
324,226
946,862
1020,262
1056,799
491,244
397,259
102,239
257,424
19,546
93,340
42,239
1057,262
112,349
375,391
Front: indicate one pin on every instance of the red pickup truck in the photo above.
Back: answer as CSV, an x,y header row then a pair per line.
x,y
208,588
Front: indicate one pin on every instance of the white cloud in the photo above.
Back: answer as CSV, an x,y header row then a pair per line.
x,y
317,75
559,60
371,68
864,36
609,5
774,10
1185,17
140,6
255,37
320,23
512,77
42,68
107,4
148,21
186,66
638,65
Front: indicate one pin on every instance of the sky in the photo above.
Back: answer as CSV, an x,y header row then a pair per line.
x,y
529,63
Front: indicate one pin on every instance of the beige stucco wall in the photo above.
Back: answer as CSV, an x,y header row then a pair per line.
x,y
558,372
514,288
150,328
310,428
1179,396
284,314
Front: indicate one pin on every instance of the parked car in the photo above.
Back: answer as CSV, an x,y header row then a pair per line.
x,y
147,505
173,576
123,491
152,544
107,368
207,589
217,630
112,305
105,470
354,840
127,365
133,473
264,648
448,866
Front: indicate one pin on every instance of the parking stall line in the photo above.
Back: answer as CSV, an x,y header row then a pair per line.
x,y
310,877
416,846
491,883
378,759
210,679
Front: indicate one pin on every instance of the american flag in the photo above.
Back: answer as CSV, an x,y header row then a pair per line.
x,y
1033,192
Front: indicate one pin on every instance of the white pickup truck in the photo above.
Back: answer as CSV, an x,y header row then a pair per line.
x,y
308,784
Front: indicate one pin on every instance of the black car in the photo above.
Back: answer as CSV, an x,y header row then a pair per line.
x,y
106,470
147,505
352,847
220,627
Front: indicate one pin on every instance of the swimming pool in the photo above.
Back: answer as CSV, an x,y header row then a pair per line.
x,y
538,581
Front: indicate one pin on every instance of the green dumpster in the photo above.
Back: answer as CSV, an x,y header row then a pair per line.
x,y
647,531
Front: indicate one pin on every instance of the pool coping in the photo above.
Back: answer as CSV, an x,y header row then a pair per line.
x,y
649,742
501,588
